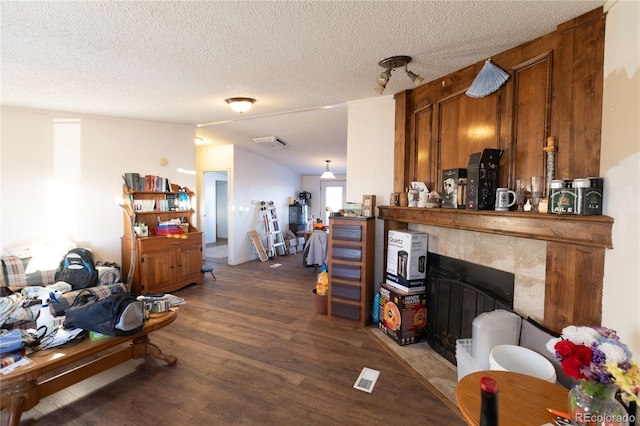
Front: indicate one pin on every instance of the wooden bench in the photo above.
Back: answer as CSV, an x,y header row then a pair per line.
x,y
23,388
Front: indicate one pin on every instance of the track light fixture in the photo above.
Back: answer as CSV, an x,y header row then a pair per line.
x,y
327,173
391,64
240,104
415,78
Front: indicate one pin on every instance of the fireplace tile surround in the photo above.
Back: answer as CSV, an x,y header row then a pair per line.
x,y
522,257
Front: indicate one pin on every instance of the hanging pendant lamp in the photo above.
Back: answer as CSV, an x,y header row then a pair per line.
x,y
327,173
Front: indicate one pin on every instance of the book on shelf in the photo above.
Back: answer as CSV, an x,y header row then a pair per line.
x,y
183,201
133,181
170,203
147,183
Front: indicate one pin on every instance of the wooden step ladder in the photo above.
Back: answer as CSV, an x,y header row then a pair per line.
x,y
257,244
275,240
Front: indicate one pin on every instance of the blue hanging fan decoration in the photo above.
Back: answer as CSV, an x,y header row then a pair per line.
x,y
488,80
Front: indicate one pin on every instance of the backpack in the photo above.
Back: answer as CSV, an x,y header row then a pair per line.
x,y
78,269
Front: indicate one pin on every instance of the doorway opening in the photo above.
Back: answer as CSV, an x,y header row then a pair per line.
x,y
216,216
332,196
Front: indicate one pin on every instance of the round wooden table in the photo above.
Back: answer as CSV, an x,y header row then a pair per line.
x,y
522,399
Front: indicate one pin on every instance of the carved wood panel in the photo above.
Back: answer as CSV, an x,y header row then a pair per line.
x,y
467,125
423,152
555,90
532,110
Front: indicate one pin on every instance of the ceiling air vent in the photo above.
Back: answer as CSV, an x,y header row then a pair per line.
x,y
270,142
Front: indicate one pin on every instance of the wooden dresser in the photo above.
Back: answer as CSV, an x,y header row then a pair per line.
x,y
351,269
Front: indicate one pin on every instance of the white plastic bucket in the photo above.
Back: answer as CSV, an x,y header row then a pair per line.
x,y
521,360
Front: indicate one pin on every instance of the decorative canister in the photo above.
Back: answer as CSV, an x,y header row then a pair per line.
x,y
591,203
596,182
413,197
562,200
581,186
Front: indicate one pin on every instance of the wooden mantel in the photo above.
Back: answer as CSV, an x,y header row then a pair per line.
x,y
575,252
590,231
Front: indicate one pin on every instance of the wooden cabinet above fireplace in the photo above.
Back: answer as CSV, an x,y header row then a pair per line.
x,y
555,89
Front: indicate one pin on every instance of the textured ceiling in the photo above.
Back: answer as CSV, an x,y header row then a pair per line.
x,y
177,61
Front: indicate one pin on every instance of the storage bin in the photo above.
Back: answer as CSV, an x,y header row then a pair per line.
x,y
168,230
490,329
464,358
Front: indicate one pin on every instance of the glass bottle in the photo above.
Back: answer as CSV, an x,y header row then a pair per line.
x,y
488,402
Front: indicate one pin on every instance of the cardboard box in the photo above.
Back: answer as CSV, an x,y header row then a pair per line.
x,y
407,259
292,245
141,231
368,205
402,316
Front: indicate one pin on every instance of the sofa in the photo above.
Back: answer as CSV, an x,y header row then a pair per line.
x,y
24,272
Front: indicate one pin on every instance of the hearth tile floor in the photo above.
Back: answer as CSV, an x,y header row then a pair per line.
x,y
440,374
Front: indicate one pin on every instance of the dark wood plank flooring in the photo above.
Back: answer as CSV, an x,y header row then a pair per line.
x,y
251,351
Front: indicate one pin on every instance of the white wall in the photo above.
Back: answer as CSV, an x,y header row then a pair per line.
x,y
61,173
370,151
251,179
620,161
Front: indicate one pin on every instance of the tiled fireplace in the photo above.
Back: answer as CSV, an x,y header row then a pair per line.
x,y
557,260
522,257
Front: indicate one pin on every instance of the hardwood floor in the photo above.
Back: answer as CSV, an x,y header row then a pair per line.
x,y
251,351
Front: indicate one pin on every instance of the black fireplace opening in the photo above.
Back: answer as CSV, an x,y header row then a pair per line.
x,y
457,292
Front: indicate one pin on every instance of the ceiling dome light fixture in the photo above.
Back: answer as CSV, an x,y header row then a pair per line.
x,y
391,64
327,173
240,104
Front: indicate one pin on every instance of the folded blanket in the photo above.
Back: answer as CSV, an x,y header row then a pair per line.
x,y
20,273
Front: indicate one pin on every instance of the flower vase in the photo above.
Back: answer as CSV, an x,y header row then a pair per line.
x,y
595,404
